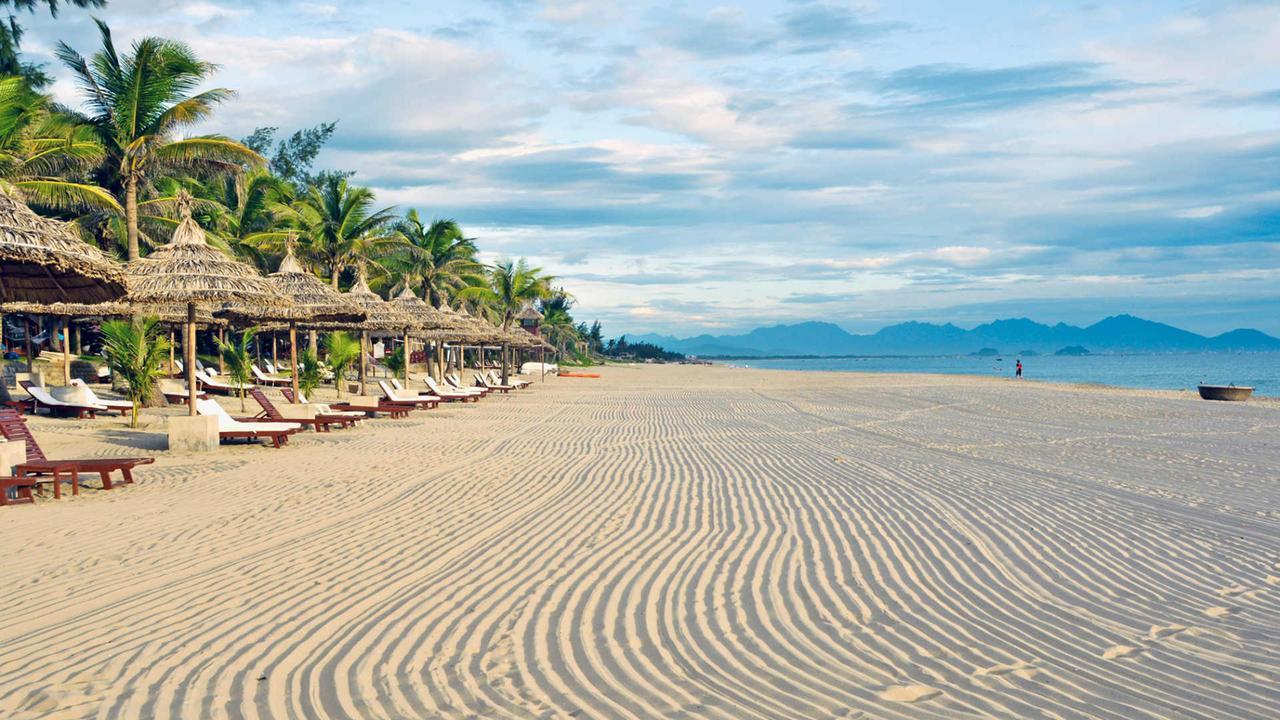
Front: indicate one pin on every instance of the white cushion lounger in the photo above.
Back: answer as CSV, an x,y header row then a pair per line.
x,y
514,380
402,396
229,427
450,394
79,409
435,387
322,409
481,382
121,405
211,383
266,379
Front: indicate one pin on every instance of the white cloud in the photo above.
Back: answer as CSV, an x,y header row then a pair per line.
x,y
1200,213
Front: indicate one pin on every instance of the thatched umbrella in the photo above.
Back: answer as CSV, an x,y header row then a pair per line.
x,y
380,316
65,311
466,330
190,272
42,261
424,317
314,302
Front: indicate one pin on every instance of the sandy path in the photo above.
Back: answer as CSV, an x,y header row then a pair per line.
x,y
674,542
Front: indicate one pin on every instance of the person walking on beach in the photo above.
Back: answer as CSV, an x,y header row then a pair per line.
x,y
1017,373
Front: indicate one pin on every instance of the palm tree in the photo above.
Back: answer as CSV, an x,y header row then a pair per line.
x,y
342,350
138,103
437,257
237,356
242,216
511,286
557,324
135,353
41,148
338,226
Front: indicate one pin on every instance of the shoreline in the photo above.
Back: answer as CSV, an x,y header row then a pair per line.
x,y
1186,393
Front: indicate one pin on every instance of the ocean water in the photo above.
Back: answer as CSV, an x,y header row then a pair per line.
x,y
1157,371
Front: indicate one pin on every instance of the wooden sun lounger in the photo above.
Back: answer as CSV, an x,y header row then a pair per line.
x,y
14,428
418,401
481,382
492,378
41,397
319,423
213,385
273,381
450,394
456,383
21,488
231,428
394,410
121,406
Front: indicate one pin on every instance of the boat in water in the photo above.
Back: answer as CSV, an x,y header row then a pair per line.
x,y
1225,392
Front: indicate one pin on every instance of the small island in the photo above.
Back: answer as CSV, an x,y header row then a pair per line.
x,y
986,352
1073,351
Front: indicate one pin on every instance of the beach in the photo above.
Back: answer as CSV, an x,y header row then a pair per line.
x,y
671,542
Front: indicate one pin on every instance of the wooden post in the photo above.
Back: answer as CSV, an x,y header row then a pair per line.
x,y
172,339
274,363
293,357
66,352
364,361
222,364
189,353
407,355
313,343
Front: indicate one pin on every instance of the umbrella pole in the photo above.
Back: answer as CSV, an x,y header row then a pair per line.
x,y
66,353
172,364
189,352
30,367
222,362
407,355
364,361
293,356
542,360
274,362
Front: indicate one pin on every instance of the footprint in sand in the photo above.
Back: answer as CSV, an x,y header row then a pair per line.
x,y
909,693
1219,611
1164,631
1120,651
1232,591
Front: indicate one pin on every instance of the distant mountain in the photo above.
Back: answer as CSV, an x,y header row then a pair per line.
x,y
1120,333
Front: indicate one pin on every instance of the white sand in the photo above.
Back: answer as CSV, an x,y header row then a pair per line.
x,y
672,542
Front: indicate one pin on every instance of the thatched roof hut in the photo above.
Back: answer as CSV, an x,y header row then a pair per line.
x,y
42,260
69,310
529,314
432,323
189,271
314,303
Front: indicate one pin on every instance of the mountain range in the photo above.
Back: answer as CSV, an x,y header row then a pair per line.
x,y
1119,333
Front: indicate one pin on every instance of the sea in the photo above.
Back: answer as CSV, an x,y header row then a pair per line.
x,y
1156,371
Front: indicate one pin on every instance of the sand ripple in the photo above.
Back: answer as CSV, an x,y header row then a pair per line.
x,y
675,543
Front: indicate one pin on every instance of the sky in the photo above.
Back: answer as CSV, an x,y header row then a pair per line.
x,y
690,167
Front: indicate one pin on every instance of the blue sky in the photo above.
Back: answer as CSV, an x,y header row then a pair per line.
x,y
710,167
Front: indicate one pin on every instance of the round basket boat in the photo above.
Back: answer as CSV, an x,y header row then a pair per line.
x,y
1225,392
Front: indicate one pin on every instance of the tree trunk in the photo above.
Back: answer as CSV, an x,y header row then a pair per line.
x,y
334,272
313,342
131,215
